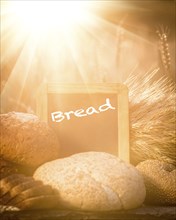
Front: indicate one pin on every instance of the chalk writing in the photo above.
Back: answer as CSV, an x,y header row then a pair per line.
x,y
60,116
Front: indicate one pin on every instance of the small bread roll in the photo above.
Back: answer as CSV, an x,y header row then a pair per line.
x,y
160,182
27,141
94,181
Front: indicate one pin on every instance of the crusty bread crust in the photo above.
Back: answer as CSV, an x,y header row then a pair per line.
x,y
160,182
25,140
94,181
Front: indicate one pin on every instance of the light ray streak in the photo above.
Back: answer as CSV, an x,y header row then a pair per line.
x,y
16,81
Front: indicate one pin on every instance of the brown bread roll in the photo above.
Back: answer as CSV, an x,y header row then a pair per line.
x,y
160,181
26,140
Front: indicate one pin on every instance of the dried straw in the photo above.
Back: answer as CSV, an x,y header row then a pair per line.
x,y
152,105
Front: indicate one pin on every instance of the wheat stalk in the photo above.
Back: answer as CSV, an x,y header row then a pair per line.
x,y
163,34
152,118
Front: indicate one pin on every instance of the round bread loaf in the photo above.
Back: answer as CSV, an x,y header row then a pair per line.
x,y
25,140
94,181
160,182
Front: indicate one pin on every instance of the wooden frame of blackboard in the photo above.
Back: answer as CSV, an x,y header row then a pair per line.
x,y
105,88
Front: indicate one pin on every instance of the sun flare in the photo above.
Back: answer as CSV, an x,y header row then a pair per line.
x,y
59,41
43,16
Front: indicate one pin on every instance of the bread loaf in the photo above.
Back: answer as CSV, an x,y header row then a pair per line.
x,y
160,181
27,141
39,202
26,193
94,181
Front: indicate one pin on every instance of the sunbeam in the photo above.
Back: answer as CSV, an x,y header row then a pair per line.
x,y
16,83
63,41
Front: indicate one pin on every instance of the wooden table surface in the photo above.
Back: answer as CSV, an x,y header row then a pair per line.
x,y
143,213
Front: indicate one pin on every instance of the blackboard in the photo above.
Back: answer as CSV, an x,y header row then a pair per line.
x,y
87,117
